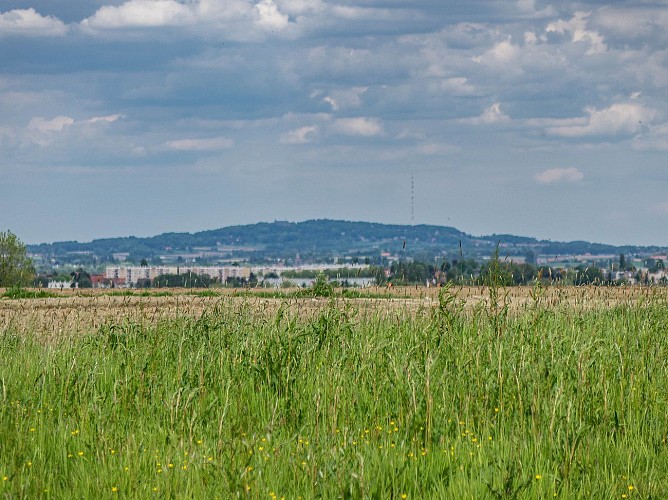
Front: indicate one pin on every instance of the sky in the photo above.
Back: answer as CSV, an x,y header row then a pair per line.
x,y
536,118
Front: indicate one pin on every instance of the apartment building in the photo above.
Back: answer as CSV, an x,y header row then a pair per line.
x,y
132,274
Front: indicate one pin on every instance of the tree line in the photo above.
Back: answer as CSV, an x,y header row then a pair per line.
x,y
504,273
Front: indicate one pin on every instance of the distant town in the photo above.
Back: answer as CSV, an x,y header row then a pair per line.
x,y
353,254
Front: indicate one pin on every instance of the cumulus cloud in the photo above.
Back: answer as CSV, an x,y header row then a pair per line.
x,y
621,118
576,27
360,126
268,16
301,135
504,51
344,98
210,144
491,115
501,53
138,13
30,23
559,175
232,19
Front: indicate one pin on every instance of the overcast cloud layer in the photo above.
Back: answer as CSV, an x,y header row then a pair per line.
x,y
545,119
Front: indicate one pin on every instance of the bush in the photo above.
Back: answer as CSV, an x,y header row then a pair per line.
x,y
321,286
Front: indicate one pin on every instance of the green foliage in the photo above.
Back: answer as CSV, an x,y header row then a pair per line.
x,y
16,268
81,279
496,273
461,271
340,273
411,273
17,292
496,277
582,275
322,287
188,280
654,265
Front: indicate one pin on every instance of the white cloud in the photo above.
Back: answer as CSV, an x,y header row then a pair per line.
x,y
621,118
502,52
232,19
632,22
457,86
30,22
332,102
42,132
361,126
559,175
530,38
301,135
54,125
212,144
302,7
140,13
345,98
59,123
577,28
269,17
105,119
367,13
491,115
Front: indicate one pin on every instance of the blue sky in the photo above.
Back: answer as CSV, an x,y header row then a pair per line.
x,y
544,119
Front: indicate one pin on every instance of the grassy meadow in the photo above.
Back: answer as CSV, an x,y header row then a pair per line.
x,y
471,393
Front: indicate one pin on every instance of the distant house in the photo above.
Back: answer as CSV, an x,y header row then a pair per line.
x,y
101,281
61,285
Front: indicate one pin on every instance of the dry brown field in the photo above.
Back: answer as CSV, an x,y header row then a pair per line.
x,y
78,311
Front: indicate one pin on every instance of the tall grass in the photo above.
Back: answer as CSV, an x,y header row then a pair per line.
x,y
548,402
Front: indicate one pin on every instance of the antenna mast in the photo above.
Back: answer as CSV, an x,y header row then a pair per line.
x,y
412,200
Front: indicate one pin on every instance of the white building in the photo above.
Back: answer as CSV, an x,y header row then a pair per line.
x,y
132,274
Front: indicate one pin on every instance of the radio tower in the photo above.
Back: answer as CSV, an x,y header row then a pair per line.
x,y
412,200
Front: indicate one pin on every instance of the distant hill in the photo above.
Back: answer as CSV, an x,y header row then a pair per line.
x,y
324,239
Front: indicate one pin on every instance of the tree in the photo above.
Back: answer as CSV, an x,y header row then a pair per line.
x,y
16,268
81,279
588,276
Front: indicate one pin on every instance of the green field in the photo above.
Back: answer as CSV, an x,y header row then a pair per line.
x,y
445,401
